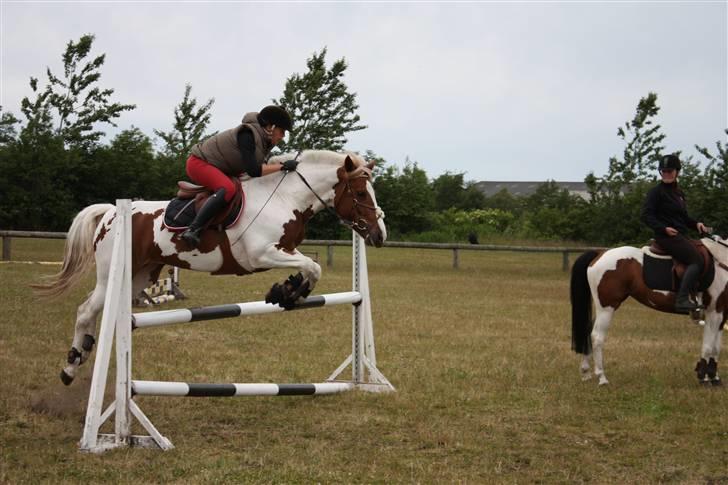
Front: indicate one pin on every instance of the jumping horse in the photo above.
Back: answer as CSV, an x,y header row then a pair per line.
x,y
608,278
265,236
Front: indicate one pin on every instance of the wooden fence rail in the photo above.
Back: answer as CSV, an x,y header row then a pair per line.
x,y
330,243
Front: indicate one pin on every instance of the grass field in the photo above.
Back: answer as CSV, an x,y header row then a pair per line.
x,y
488,389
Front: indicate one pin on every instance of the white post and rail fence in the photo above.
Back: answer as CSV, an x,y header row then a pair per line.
x,y
330,244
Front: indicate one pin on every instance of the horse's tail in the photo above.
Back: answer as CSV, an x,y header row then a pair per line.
x,y
78,253
581,304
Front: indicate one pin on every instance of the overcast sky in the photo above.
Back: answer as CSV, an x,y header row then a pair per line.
x,y
500,91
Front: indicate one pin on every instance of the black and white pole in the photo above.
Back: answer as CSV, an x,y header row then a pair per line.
x,y
158,388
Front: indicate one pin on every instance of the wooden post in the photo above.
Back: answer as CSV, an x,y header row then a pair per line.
x,y
329,256
455,258
6,248
565,261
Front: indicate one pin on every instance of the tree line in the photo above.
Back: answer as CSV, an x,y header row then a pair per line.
x,y
55,161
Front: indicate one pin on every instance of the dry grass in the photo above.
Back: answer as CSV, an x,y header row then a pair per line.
x,y
488,389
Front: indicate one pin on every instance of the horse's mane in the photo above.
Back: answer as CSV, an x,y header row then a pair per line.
x,y
320,157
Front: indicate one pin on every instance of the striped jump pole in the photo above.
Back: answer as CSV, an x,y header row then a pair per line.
x,y
116,320
157,388
186,315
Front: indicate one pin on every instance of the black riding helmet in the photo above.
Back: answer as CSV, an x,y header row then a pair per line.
x,y
669,162
275,115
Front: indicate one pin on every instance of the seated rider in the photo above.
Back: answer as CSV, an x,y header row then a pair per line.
x,y
665,212
239,150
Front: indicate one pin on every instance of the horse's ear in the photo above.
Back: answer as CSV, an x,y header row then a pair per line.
x,y
349,164
371,164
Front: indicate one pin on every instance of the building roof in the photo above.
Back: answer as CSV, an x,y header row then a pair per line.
x,y
520,189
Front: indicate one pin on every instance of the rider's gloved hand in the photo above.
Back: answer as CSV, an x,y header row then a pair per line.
x,y
289,165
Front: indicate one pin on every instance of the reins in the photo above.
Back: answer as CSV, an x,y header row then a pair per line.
x,y
361,224
265,204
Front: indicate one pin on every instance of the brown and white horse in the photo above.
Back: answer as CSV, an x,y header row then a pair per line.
x,y
264,237
610,277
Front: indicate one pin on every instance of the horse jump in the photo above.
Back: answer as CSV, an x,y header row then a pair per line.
x,y
116,321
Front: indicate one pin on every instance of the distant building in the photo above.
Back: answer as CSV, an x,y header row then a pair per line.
x,y
521,189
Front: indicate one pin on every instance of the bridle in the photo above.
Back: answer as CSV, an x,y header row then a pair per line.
x,y
358,223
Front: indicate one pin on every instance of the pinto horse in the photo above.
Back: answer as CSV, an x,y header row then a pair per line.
x,y
608,278
264,237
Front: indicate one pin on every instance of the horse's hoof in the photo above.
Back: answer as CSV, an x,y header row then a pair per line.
x,y
716,382
275,294
65,378
603,381
586,376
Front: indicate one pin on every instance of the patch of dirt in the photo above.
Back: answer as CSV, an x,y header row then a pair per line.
x,y
62,401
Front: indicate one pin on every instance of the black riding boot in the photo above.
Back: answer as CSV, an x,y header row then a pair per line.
x,y
210,208
683,304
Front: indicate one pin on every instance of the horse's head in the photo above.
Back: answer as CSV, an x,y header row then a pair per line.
x,y
355,203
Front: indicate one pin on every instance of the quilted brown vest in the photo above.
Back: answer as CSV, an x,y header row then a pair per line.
x,y
222,149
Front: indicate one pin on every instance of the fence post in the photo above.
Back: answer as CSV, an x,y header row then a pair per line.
x,y
565,261
455,258
329,256
6,248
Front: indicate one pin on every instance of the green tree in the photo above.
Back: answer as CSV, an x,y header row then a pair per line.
x,y
643,139
75,98
406,197
451,191
8,132
613,215
322,107
709,200
190,123
128,168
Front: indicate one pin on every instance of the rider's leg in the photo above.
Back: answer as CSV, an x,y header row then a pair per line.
x,y
210,208
211,177
683,250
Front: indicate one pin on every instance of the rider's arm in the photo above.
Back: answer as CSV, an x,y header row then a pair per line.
x,y
246,144
649,211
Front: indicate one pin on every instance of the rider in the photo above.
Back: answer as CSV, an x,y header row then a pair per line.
x,y
665,212
243,149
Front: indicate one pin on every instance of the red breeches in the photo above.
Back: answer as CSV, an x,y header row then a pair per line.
x,y
203,173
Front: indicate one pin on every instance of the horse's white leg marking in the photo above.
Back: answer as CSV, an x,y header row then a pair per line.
x,y
584,368
599,335
273,257
711,335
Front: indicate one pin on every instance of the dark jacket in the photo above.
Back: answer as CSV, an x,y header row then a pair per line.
x,y
665,207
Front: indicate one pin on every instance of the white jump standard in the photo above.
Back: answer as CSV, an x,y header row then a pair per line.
x,y
118,320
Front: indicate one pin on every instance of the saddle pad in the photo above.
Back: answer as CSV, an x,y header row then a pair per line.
x,y
657,272
180,213
647,251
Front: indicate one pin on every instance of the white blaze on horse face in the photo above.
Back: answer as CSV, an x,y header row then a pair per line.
x,y
380,212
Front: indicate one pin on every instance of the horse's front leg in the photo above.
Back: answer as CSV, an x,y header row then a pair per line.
x,y
296,287
707,366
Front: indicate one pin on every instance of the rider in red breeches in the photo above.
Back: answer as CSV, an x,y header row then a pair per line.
x,y
243,149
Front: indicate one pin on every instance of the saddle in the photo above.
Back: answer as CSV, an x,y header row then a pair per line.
x,y
662,272
181,211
